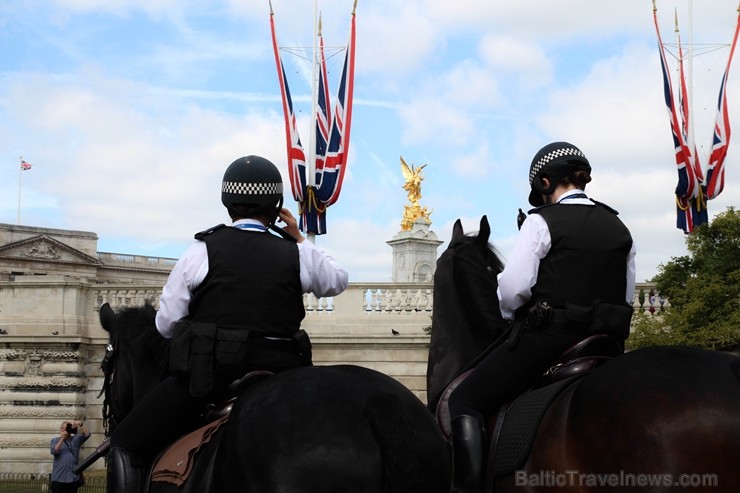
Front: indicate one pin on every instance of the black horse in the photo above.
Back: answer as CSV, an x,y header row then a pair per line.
x,y
655,419
463,282
315,429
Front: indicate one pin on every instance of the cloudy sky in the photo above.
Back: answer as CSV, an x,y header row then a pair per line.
x,y
130,111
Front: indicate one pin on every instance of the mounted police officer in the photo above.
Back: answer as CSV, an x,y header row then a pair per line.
x,y
571,273
233,303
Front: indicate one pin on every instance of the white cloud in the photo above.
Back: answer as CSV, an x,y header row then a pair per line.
x,y
515,55
474,164
430,119
129,135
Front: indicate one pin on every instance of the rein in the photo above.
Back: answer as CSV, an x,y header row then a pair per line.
x,y
109,420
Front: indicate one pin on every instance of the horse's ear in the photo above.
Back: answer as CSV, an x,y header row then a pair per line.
x,y
485,230
457,231
107,316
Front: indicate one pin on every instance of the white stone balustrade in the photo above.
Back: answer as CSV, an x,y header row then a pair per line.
x,y
358,300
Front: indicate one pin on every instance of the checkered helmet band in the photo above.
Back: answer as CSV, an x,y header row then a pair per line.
x,y
555,155
239,188
251,180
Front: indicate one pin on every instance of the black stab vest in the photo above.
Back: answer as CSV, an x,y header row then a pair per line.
x,y
253,282
588,257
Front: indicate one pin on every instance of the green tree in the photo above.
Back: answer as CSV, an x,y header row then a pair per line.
x,y
703,289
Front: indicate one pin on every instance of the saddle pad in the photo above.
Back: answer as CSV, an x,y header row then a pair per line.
x,y
175,464
511,447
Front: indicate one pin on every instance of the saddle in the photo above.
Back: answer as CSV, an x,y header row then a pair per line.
x,y
513,428
176,462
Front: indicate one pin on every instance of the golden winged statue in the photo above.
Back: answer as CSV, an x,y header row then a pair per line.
x,y
413,178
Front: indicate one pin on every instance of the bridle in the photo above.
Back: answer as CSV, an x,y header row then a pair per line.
x,y
112,412
108,365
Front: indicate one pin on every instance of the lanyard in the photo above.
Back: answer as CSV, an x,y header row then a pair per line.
x,y
251,227
574,196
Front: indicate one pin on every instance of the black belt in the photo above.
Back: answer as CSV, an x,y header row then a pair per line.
x,y
261,342
570,320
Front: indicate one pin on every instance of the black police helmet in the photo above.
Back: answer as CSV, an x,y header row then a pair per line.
x,y
554,161
252,184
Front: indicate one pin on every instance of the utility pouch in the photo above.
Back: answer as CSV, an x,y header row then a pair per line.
x,y
180,348
612,319
303,343
202,365
539,315
231,349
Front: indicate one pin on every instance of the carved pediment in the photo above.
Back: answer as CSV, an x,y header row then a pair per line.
x,y
45,248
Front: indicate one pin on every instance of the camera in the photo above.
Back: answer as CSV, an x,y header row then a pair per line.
x,y
71,430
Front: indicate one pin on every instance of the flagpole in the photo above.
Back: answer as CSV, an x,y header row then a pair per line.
x,y
311,179
20,177
690,54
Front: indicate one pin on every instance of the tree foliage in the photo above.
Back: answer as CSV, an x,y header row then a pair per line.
x,y
703,288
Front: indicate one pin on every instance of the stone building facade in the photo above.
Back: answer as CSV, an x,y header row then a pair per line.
x,y
52,283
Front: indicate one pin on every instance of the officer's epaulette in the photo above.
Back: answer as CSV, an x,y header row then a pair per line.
x,y
613,211
539,208
202,234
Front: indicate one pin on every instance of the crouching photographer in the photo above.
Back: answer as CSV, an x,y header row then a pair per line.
x,y
66,451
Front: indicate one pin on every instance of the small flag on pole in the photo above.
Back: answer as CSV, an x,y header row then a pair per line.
x,y
24,165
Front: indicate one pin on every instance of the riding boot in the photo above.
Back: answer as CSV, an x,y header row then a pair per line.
x,y
126,472
468,454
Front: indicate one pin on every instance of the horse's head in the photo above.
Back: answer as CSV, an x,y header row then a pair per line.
x,y
466,317
135,359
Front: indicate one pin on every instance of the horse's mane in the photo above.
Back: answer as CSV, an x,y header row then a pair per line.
x,y
495,261
135,327
476,263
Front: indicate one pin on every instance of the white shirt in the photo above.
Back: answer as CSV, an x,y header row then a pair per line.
x,y
320,275
533,243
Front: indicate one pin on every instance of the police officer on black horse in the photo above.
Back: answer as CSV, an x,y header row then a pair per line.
x,y
233,303
571,271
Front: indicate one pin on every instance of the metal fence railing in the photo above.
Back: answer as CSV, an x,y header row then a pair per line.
x,y
11,482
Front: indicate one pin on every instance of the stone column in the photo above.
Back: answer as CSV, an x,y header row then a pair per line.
x,y
414,253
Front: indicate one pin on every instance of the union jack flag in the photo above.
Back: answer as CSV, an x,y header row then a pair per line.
x,y
684,107
689,197
323,111
685,185
296,154
336,155
24,165
332,138
721,137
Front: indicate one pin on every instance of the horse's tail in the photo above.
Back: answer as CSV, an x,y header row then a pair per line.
x,y
390,423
